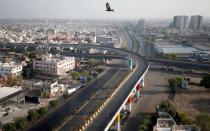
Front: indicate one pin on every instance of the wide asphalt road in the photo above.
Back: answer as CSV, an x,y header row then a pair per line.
x,y
54,118
94,102
103,118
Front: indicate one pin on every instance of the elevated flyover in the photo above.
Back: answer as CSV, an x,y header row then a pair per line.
x,y
120,98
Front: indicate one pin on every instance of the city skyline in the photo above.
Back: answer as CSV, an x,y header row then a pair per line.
x,y
96,9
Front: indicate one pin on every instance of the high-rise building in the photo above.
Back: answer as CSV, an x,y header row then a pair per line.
x,y
196,22
180,22
140,24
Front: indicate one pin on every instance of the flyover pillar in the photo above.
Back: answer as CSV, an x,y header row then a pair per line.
x,y
138,90
118,122
130,103
142,82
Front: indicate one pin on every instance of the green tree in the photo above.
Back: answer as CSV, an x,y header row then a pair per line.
x,y
35,72
54,103
9,127
32,55
75,75
168,108
203,121
93,62
21,123
65,95
84,73
42,111
99,70
184,119
179,81
173,84
32,115
206,81
145,124
173,56
143,127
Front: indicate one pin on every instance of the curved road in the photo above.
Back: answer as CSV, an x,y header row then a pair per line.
x,y
100,123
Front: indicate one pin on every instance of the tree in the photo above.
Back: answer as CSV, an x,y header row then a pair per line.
x,y
206,81
168,108
32,115
32,55
184,119
75,75
203,121
84,73
179,81
99,70
35,72
93,62
9,127
54,103
145,124
172,83
42,111
173,56
14,80
21,123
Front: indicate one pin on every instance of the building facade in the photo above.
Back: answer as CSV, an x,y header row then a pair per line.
x,y
10,68
140,25
180,22
196,22
54,65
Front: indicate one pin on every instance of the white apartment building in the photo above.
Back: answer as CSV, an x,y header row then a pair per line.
x,y
49,89
54,65
10,69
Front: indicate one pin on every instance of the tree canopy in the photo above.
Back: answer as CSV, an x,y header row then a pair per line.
x,y
206,81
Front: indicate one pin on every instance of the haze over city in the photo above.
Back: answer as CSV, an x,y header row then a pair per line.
x,y
95,8
104,65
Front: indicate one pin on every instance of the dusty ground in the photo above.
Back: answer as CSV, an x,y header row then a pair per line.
x,y
194,100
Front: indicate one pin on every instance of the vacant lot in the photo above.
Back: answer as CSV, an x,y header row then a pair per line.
x,y
194,100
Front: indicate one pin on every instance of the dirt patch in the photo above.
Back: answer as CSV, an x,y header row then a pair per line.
x,y
192,101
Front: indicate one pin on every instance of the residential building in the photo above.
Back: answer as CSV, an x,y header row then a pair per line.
x,y
180,22
196,22
49,89
10,68
54,65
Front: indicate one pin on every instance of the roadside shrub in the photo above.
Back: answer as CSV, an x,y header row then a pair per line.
x,y
168,108
42,111
184,119
54,103
21,123
9,127
32,115
99,70
145,124
203,121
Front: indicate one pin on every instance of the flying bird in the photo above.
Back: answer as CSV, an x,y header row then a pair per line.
x,y
108,7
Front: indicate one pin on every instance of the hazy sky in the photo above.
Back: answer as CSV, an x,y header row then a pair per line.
x,y
96,8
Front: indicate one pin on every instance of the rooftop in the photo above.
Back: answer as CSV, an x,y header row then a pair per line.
x,y
182,49
6,91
